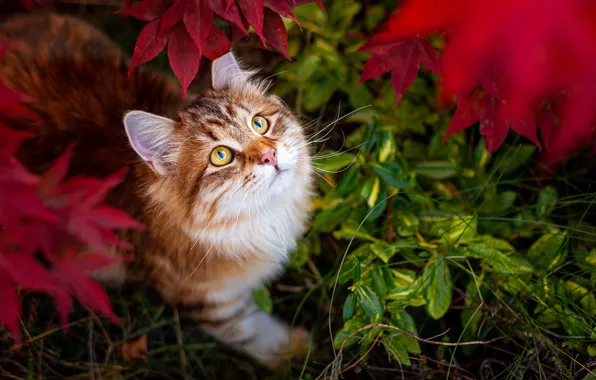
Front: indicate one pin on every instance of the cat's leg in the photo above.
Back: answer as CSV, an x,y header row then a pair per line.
x,y
238,322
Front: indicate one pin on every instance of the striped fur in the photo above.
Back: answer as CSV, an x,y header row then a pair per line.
x,y
214,233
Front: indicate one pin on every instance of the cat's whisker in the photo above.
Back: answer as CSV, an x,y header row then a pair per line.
x,y
325,179
334,123
330,125
337,153
276,74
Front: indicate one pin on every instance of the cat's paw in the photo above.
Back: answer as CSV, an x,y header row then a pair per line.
x,y
297,346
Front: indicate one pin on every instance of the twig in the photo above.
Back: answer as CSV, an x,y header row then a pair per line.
x,y
360,359
423,340
48,332
90,349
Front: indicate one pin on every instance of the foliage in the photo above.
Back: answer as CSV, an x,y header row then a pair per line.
x,y
187,27
429,230
524,65
55,217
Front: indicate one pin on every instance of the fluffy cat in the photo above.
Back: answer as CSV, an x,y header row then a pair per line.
x,y
221,179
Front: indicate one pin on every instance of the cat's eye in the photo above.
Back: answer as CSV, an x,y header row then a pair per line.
x,y
260,124
221,156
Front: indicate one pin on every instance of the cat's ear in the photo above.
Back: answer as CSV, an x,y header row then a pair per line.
x,y
151,137
225,71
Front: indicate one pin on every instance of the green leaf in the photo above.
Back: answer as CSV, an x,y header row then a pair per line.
x,y
488,241
349,230
370,302
435,169
350,327
327,220
378,283
370,191
300,256
437,279
370,136
396,349
388,278
588,303
549,251
592,350
510,160
349,180
463,229
307,66
547,199
500,263
357,270
317,96
335,162
406,322
349,307
471,318
392,173
263,300
384,251
388,147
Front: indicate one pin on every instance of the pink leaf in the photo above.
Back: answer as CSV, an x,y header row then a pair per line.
x,y
89,292
466,114
377,65
55,174
405,70
216,45
184,57
275,32
282,8
111,217
228,12
526,126
173,14
427,55
253,12
198,19
27,272
149,44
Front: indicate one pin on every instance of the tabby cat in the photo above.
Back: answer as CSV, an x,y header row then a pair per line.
x,y
222,179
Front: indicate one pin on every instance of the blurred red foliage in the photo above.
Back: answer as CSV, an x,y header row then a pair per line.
x,y
53,230
525,65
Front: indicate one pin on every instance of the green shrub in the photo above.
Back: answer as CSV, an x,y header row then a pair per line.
x,y
441,235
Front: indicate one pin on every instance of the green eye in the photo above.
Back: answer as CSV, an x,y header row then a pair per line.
x,y
260,124
221,156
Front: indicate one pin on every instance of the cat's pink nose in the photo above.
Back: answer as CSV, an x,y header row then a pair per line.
x,y
270,157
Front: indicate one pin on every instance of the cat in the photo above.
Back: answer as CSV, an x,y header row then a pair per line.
x,y
222,179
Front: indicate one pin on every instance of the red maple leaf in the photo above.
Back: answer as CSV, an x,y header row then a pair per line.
x,y
70,271
403,58
76,202
180,24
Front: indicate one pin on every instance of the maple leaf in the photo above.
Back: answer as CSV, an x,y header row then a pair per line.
x,y
403,58
77,203
69,271
177,23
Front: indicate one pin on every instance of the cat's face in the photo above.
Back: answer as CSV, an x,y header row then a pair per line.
x,y
235,149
